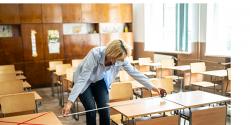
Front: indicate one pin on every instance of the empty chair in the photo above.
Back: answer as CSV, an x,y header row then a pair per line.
x,y
52,68
52,64
76,62
196,78
227,83
210,116
11,87
61,73
21,103
169,120
120,91
163,83
145,68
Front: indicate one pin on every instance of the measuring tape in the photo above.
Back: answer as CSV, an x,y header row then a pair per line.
x,y
163,94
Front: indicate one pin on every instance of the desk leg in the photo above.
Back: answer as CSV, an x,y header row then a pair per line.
x,y
36,106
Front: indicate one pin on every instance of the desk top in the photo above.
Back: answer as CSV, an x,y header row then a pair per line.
x,y
46,118
19,72
219,73
51,69
195,98
37,96
134,61
152,64
180,68
145,106
20,77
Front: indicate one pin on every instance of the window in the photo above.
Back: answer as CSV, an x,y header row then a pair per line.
x,y
167,27
219,28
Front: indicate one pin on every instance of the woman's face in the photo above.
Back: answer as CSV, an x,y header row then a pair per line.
x,y
110,61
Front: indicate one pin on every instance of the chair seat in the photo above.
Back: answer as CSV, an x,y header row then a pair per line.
x,y
116,119
203,84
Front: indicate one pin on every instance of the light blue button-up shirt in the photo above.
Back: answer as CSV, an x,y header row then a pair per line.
x,y
92,69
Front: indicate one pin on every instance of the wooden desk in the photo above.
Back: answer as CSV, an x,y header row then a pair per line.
x,y
182,68
20,77
19,72
195,98
145,106
51,69
217,73
44,118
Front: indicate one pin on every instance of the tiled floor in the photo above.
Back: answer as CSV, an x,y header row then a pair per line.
x,y
50,103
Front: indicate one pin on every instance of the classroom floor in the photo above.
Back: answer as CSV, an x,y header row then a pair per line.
x,y
50,103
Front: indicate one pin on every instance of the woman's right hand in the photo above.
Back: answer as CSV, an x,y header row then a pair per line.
x,y
66,108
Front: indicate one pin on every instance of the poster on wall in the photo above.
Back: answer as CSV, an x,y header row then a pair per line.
x,y
6,31
53,41
33,43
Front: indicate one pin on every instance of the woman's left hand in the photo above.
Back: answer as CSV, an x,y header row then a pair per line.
x,y
156,90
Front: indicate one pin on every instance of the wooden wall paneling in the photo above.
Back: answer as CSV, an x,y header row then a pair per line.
x,y
30,13
72,13
53,56
36,73
27,48
139,51
51,13
127,37
116,13
9,14
11,50
91,13
77,46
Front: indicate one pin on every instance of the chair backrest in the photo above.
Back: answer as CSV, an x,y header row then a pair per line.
x,y
124,76
11,87
198,67
7,76
15,103
142,61
76,62
69,73
52,64
229,73
121,91
61,68
7,69
169,120
164,83
210,116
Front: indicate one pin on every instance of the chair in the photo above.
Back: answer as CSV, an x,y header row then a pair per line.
x,y
52,67
228,82
210,116
76,62
7,76
61,73
167,120
144,68
120,91
11,87
20,103
196,79
163,83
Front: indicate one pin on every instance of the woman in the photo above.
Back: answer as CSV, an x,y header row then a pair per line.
x,y
93,78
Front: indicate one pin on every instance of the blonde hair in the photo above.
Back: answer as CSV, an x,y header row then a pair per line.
x,y
117,49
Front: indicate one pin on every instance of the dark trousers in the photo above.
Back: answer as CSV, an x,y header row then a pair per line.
x,y
96,94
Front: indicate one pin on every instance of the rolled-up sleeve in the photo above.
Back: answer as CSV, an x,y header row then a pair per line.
x,y
81,79
133,72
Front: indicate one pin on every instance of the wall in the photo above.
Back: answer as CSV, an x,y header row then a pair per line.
x,y
17,50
